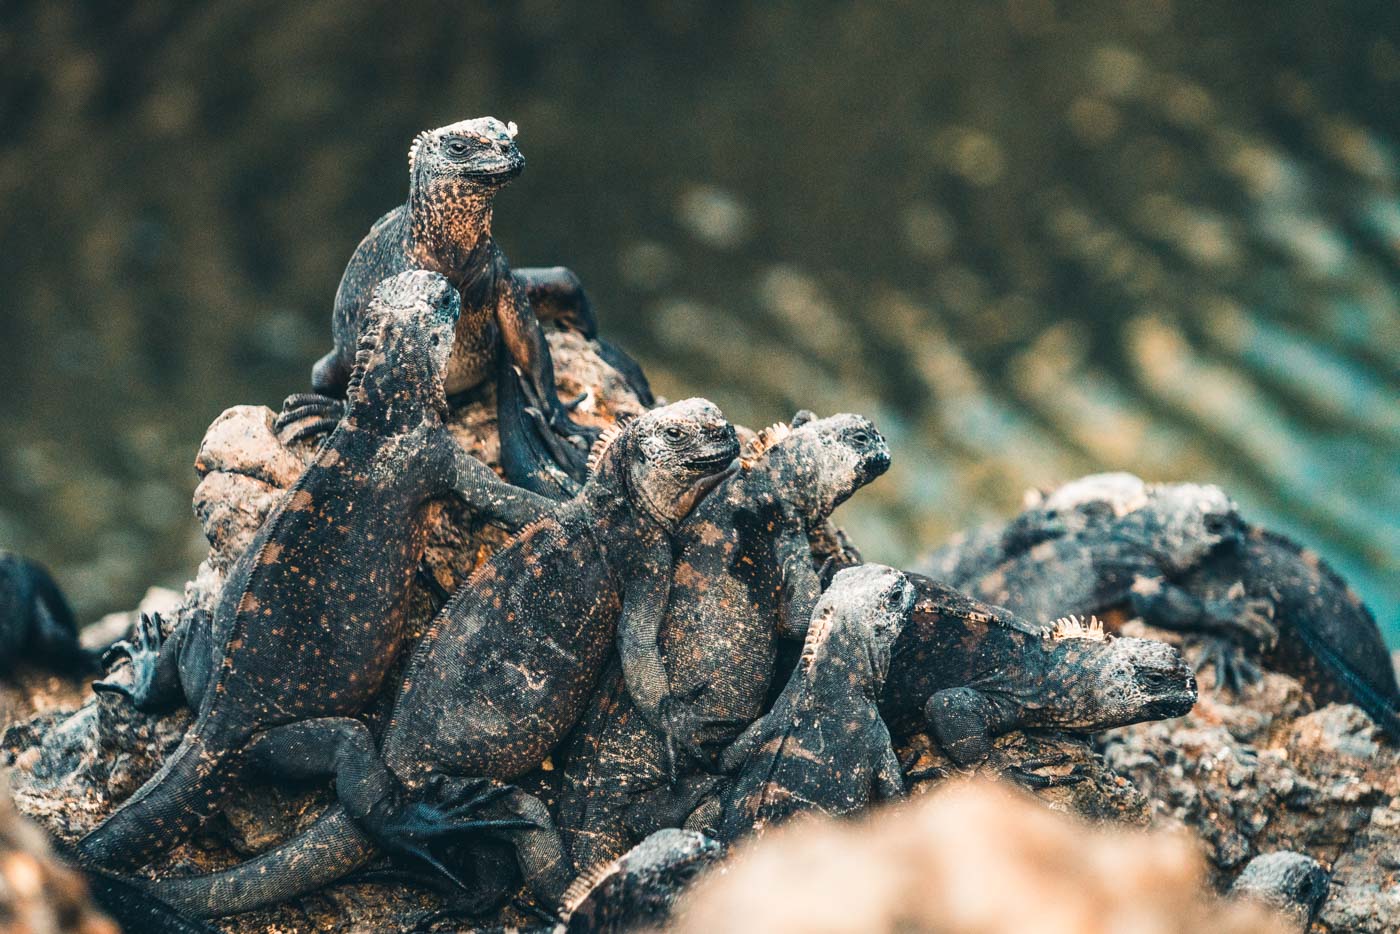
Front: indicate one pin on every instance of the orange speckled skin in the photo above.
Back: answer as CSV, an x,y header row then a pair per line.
x,y
743,565
313,614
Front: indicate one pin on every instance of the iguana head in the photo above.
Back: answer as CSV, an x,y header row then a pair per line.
x,y
405,340
470,155
819,463
858,619
637,890
669,457
1094,681
1191,520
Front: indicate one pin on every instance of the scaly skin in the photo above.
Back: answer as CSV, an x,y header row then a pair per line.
x,y
36,623
501,674
823,746
637,890
970,672
445,227
312,615
1181,557
743,575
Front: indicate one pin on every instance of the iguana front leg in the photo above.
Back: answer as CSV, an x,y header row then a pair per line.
x,y
643,608
802,587
155,666
964,721
889,775
487,495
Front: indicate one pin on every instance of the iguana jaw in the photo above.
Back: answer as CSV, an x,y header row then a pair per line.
x,y
703,487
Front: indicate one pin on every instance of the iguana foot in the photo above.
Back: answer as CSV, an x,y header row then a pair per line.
x,y
312,414
1026,773
1251,621
1234,670
440,812
556,430
148,691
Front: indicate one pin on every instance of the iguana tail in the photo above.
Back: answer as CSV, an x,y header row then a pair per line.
x,y
328,850
525,459
172,804
1384,710
135,909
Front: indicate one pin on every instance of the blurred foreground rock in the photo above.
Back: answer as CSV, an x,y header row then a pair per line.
x,y
970,857
38,895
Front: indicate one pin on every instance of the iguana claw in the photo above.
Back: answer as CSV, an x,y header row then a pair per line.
x,y
143,651
1234,670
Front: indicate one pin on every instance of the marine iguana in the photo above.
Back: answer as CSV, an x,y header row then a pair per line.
x,y
637,890
36,623
743,575
313,613
500,675
823,745
970,672
455,172
1180,556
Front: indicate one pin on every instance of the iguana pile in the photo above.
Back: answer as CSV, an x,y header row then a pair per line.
x,y
312,615
743,576
500,675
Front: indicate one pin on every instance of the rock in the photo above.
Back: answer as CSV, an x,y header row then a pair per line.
x,y
39,895
1292,884
1263,772
968,857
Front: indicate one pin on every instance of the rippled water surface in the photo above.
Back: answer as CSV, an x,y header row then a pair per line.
x,y
1031,239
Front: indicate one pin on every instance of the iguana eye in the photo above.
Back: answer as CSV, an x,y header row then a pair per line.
x,y
860,437
456,146
674,434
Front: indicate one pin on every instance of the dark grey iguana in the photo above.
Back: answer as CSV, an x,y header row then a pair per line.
x,y
36,623
313,613
637,891
500,675
823,745
969,672
1181,557
743,574
445,227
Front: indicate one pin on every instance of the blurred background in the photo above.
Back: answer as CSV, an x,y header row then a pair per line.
x,y
1032,239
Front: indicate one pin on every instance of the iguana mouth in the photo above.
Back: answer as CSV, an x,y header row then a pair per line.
x,y
511,165
702,487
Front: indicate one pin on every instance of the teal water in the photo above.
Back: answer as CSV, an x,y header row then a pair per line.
x,y
1031,239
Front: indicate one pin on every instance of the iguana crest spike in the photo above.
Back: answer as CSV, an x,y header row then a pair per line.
x,y
413,147
763,442
370,337
1076,627
583,884
600,447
